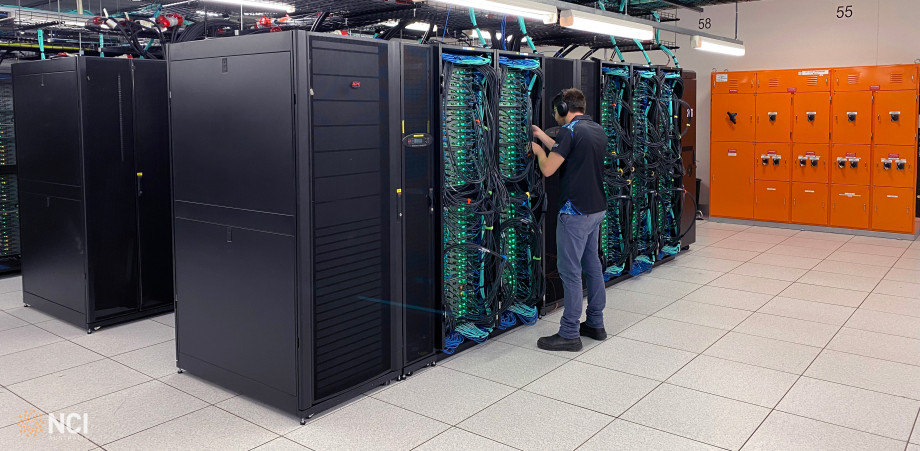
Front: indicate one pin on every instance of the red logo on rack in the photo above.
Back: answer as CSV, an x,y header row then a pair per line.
x,y
851,154
356,84
809,154
894,155
771,152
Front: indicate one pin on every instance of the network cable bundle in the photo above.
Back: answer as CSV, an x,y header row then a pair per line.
x,y
472,267
521,199
614,117
656,187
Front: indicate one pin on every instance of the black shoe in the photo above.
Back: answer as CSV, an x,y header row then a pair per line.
x,y
597,333
556,343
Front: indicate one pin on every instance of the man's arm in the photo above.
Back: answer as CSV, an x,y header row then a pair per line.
x,y
548,164
543,137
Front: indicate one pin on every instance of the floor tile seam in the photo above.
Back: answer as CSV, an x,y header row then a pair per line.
x,y
141,348
151,427
567,360
912,430
694,324
799,319
764,276
880,392
525,390
888,333
80,365
59,371
58,409
293,420
27,324
419,413
464,430
282,437
595,434
706,303
192,395
620,418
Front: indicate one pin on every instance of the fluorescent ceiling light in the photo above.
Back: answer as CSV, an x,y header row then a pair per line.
x,y
274,6
522,8
716,46
597,23
415,26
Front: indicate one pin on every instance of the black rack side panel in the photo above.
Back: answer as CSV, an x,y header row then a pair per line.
x,y
51,184
352,327
589,83
688,157
234,204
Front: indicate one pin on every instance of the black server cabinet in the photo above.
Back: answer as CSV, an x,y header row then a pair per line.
x,y
688,157
9,199
286,206
92,141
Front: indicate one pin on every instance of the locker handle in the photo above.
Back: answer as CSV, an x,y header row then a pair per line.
x,y
733,117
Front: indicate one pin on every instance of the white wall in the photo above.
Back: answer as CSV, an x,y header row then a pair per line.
x,y
792,34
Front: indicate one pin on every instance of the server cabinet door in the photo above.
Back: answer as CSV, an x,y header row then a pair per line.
x,y
809,203
810,163
732,117
772,161
773,121
849,206
893,209
771,201
811,117
235,309
895,118
894,166
852,121
732,180
352,325
54,249
850,164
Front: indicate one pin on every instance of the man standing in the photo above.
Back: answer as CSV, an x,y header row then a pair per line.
x,y
578,153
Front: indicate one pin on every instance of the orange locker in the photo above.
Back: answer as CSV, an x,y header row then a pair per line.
x,y
894,166
895,117
776,81
811,117
810,163
895,77
731,181
772,161
850,164
732,117
773,117
809,203
893,209
812,80
849,206
771,201
734,82
852,121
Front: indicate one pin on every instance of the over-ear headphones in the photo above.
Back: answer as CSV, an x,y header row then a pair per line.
x,y
562,108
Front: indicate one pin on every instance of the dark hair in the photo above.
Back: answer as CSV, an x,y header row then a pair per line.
x,y
575,99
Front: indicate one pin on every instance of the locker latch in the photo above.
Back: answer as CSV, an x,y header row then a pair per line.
x,y
854,162
765,159
772,116
895,115
733,117
803,161
814,160
902,163
776,159
851,116
811,116
841,162
886,164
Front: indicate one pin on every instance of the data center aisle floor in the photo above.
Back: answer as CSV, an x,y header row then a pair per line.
x,y
757,338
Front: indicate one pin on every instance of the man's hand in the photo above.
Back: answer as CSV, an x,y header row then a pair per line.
x,y
537,150
542,136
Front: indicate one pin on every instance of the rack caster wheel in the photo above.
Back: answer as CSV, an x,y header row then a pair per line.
x,y
89,331
407,375
303,421
26,305
434,364
386,382
180,371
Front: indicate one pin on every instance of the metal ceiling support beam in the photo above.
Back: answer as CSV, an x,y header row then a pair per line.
x,y
681,4
659,25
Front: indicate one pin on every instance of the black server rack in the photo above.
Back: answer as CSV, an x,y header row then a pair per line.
x,y
92,151
688,152
287,213
9,201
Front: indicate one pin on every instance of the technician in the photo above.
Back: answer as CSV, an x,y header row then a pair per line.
x,y
578,154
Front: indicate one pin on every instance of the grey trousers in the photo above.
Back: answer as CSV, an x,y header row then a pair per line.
x,y
576,249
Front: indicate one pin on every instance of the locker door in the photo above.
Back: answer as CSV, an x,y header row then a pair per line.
x,y
850,164
771,201
732,117
779,81
772,161
734,82
773,118
732,180
849,206
894,166
811,117
896,77
893,209
851,122
895,117
810,163
859,78
809,203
